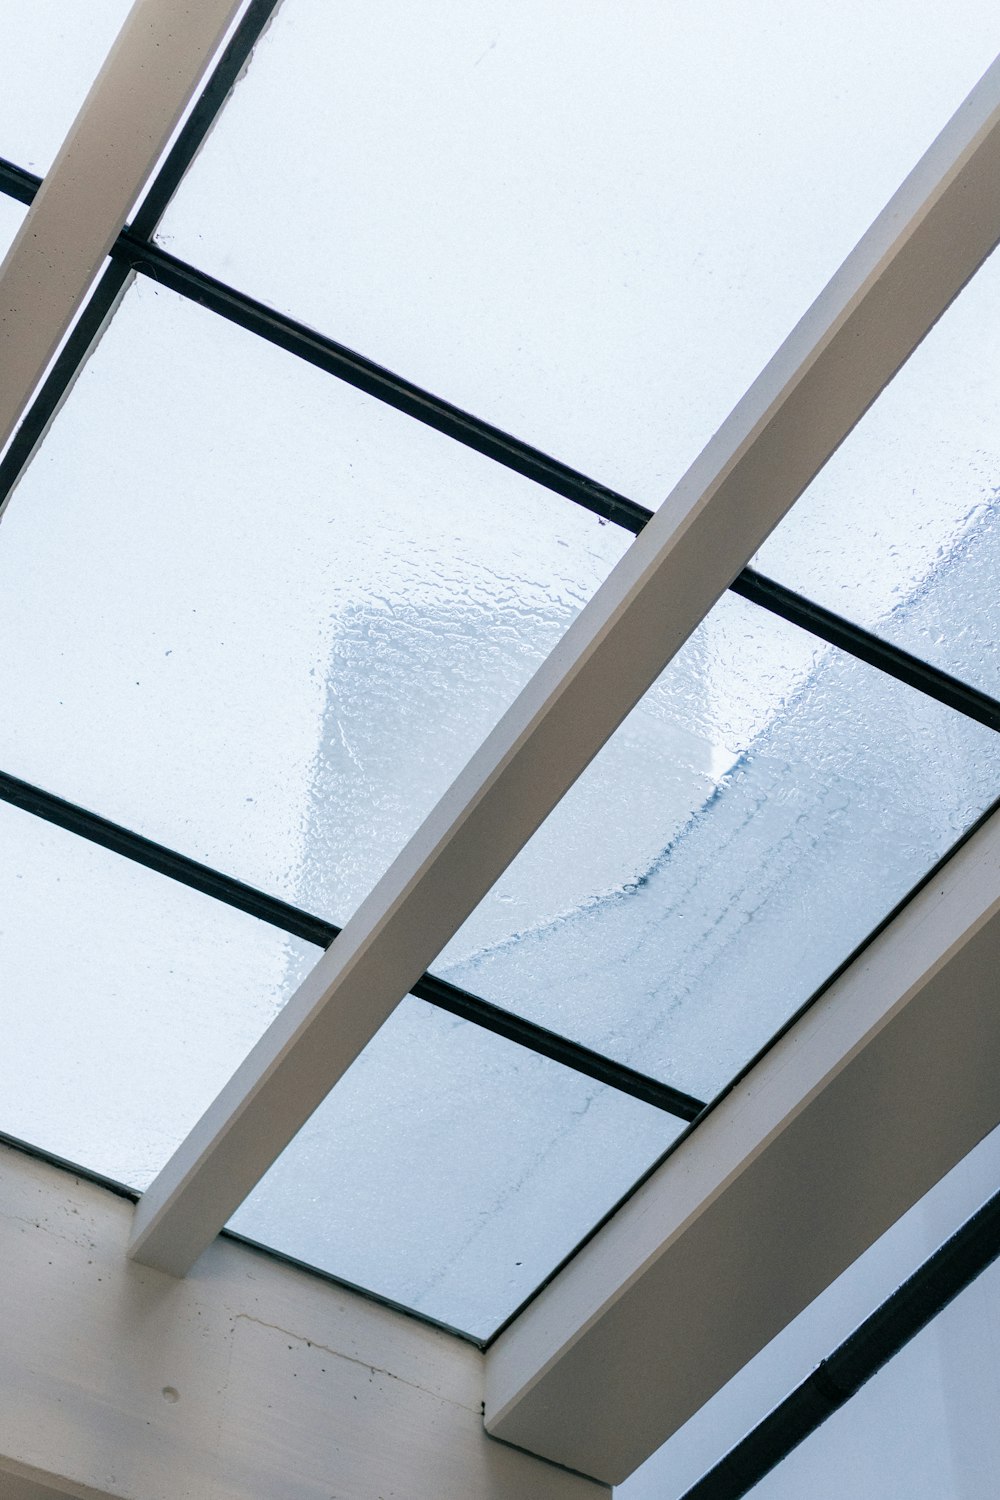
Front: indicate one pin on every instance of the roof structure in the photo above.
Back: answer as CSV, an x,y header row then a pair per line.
x,y
560,918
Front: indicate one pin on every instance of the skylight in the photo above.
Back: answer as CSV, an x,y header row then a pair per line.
x,y
566,224
270,597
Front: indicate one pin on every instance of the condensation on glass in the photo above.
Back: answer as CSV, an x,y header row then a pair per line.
x,y
592,233
901,530
126,1000
761,811
451,1170
261,617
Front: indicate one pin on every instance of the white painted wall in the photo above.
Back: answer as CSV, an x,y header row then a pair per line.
x,y
247,1381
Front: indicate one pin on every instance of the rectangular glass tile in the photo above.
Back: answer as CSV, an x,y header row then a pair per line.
x,y
126,1000
452,1171
52,52
261,617
760,812
901,529
567,222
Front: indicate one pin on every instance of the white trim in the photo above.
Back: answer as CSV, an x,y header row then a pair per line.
x,y
878,1091
124,124
921,250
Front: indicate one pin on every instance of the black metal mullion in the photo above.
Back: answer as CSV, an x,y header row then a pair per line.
x,y
837,1378
312,929
867,647
18,183
392,389
375,380
132,252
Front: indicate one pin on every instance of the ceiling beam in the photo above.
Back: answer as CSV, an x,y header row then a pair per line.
x,y
119,135
878,1091
931,238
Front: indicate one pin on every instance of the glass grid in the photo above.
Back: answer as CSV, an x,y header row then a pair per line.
x,y
476,433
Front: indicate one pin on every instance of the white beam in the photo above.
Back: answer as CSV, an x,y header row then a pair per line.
x,y
878,1091
248,1381
112,147
933,235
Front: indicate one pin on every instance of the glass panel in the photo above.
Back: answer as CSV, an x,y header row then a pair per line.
x,y
901,529
261,617
126,1000
52,53
11,214
451,1170
760,812
741,1404
564,222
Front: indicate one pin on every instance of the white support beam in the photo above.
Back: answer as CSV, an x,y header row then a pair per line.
x,y
931,238
117,139
248,1381
879,1090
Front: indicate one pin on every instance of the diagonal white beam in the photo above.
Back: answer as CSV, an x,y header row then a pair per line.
x,y
123,126
879,1090
919,253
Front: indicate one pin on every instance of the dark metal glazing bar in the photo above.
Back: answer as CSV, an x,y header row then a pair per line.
x,y
17,183
164,861
867,647
363,373
133,252
358,371
940,1279
313,929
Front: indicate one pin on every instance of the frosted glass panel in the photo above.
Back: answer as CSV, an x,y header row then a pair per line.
x,y
451,1171
126,1000
591,226
901,530
52,52
760,812
261,617
11,214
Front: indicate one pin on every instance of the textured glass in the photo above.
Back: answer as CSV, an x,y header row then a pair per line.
x,y
451,1170
52,51
820,1328
901,530
126,1000
11,214
588,225
258,615
722,891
